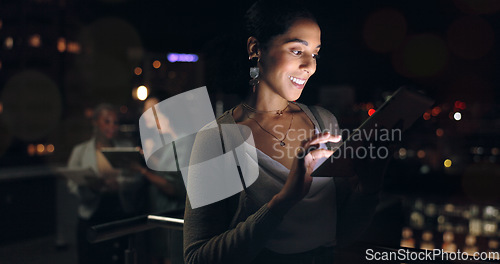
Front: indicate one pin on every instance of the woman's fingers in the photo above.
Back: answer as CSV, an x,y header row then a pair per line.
x,y
314,156
322,138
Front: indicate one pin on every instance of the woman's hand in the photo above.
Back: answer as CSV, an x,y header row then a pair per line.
x,y
299,179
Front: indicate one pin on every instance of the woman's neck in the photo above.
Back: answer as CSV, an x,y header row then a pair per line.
x,y
266,102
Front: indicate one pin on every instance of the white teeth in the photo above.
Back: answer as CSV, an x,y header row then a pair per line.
x,y
297,81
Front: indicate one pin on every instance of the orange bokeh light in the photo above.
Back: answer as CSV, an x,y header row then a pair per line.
x,y
156,64
138,71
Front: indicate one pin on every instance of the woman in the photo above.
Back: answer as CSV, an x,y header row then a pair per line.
x,y
106,197
286,216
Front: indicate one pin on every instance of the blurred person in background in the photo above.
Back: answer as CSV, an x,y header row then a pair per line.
x,y
108,196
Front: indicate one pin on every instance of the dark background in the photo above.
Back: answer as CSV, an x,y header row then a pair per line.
x,y
448,49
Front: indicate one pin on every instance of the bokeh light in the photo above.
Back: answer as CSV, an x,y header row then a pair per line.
x,y
32,105
447,163
477,7
470,37
35,41
457,116
439,132
426,116
137,70
61,44
142,92
156,64
436,111
423,55
40,148
31,150
50,148
384,30
9,42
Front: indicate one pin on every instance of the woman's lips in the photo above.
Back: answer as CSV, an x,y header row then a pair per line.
x,y
298,82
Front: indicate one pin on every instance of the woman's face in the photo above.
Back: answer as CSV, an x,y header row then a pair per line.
x,y
107,124
290,59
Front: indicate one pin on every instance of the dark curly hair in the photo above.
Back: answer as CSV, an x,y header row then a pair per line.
x,y
268,19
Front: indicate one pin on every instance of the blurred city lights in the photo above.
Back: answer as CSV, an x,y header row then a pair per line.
x,y
50,148
460,105
371,112
447,163
156,64
422,55
425,169
421,154
35,41
436,110
439,132
9,42
494,151
402,153
74,47
40,148
181,57
31,149
427,116
141,93
457,116
138,71
61,44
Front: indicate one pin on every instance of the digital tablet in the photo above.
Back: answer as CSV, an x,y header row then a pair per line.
x,y
388,122
123,157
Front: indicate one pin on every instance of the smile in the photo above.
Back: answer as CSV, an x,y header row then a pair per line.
x,y
297,80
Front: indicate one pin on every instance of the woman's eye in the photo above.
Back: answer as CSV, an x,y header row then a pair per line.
x,y
296,52
316,56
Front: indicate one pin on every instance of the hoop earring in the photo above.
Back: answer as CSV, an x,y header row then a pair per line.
x,y
254,73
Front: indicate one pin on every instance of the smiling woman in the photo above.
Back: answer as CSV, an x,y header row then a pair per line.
x,y
285,216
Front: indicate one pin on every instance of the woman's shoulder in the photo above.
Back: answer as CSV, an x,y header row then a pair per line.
x,y
320,114
226,117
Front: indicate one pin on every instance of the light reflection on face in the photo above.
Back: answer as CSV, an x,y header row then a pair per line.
x,y
290,60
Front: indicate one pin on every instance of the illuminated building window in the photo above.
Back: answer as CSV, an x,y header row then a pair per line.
x,y
9,42
74,47
138,71
61,44
35,41
156,64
